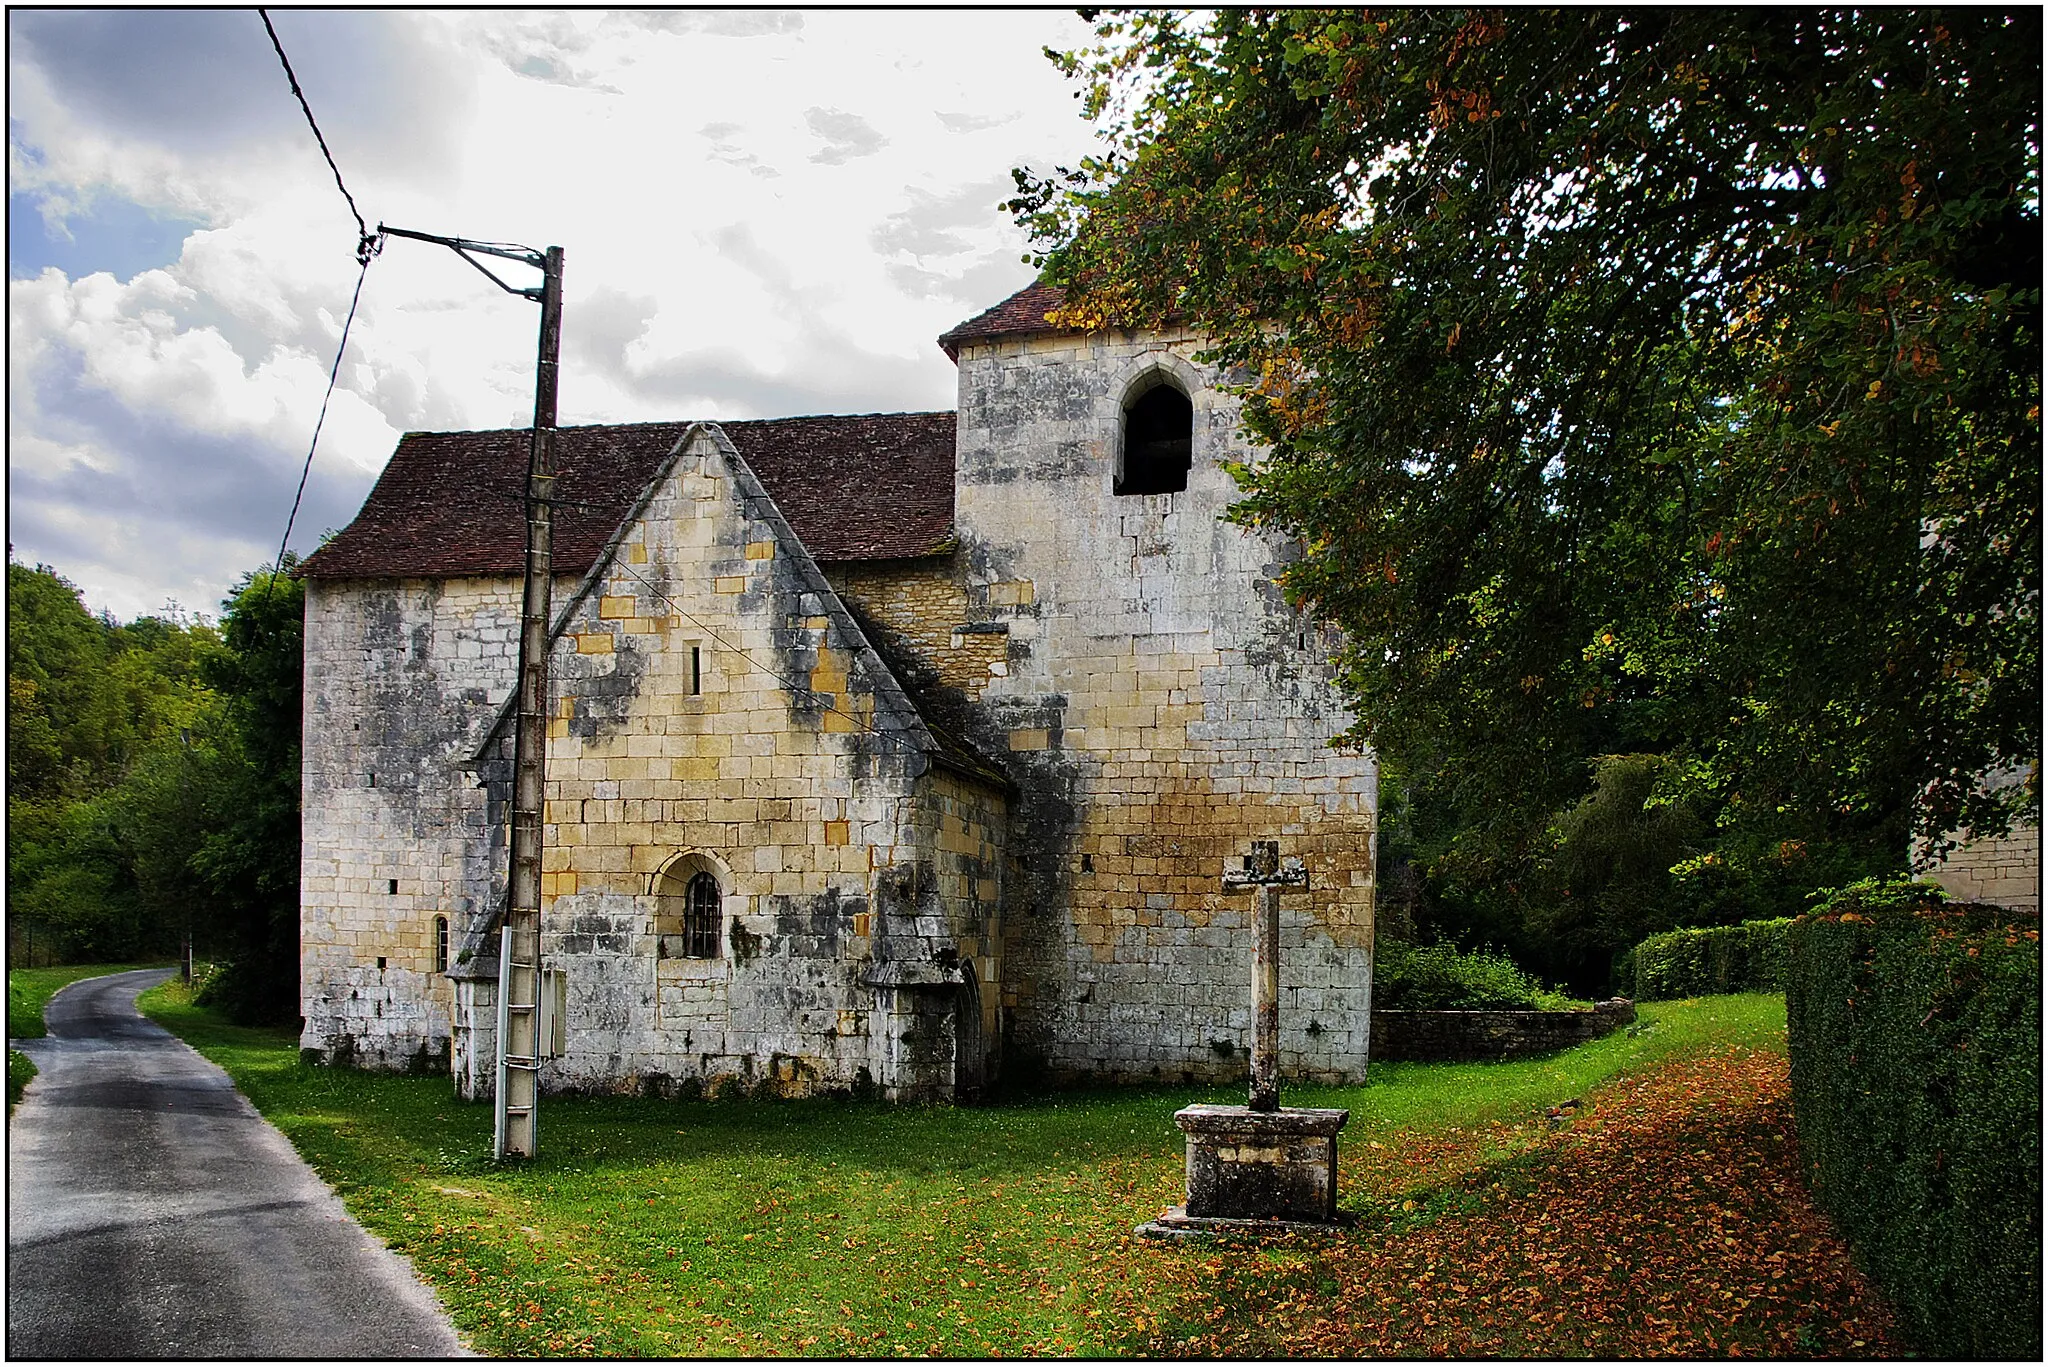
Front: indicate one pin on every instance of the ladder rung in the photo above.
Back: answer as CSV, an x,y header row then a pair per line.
x,y
519,1110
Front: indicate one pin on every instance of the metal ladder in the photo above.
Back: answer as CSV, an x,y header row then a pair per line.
x,y
519,1044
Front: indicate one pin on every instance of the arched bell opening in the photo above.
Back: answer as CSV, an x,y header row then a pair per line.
x,y
1158,440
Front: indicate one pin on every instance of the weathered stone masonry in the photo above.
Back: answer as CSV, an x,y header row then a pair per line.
x,y
1161,707
966,785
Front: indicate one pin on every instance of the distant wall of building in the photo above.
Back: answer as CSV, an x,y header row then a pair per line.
x,y
2004,871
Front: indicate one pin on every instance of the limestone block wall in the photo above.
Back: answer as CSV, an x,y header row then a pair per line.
x,y
1159,708
399,675
715,704
923,604
2005,871
964,822
1443,1036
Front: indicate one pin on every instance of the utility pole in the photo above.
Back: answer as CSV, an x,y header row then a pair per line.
x,y
516,1100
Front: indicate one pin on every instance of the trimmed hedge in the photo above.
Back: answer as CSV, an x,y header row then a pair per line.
x,y
1711,960
1915,1035
1445,978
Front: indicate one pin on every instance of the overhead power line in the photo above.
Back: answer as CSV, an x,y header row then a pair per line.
x,y
368,244
364,248
333,375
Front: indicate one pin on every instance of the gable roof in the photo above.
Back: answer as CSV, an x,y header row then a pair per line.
x,y
877,486
1022,314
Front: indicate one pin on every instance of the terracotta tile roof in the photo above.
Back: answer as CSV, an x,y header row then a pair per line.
x,y
877,487
872,487
1022,313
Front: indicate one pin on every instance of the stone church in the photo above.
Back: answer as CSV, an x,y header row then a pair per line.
x,y
891,752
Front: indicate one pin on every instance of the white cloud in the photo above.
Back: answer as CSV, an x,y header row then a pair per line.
x,y
764,212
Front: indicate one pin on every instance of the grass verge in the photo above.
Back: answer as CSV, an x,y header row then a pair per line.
x,y
834,1228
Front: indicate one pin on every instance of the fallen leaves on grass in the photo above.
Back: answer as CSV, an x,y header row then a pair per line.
x,y
1669,1221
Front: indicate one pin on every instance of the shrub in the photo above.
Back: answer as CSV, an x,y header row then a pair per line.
x,y
1915,1038
1714,959
1443,978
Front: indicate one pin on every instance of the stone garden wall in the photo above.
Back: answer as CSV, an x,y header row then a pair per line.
x,y
1471,1036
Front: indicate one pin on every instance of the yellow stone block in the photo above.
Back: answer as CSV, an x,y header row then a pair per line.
x,y
1029,738
611,607
730,583
636,554
837,721
760,550
593,643
838,832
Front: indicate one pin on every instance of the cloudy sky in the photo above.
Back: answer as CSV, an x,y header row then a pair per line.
x,y
765,214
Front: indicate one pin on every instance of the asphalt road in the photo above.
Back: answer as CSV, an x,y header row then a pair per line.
x,y
151,1213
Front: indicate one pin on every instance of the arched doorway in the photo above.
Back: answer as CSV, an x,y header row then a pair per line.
x,y
970,1055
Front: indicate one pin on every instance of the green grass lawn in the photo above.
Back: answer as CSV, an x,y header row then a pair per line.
x,y
836,1228
28,991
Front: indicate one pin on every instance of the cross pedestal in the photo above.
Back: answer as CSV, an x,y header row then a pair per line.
x,y
1262,1167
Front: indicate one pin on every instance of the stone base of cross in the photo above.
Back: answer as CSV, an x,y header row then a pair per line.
x,y
1260,1168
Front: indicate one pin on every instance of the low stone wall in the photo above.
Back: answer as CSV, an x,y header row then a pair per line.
x,y
1468,1036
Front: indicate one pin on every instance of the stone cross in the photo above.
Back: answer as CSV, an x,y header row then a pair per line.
x,y
1264,875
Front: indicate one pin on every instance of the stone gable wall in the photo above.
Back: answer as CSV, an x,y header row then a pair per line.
x,y
1159,707
783,758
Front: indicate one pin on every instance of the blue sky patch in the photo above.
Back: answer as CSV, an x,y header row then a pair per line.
x,y
114,235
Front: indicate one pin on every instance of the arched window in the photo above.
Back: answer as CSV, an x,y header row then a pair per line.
x,y
689,913
1159,428
701,918
440,944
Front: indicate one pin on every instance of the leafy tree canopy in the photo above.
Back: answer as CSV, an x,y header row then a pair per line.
x,y
1636,381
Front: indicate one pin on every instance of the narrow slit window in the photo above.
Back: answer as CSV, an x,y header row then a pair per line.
x,y
1159,432
440,944
696,669
701,918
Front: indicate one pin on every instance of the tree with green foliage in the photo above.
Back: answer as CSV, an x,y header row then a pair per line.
x,y
248,858
90,702
1636,382
153,783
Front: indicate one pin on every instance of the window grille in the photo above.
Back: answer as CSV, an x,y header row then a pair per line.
x,y
440,944
701,918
